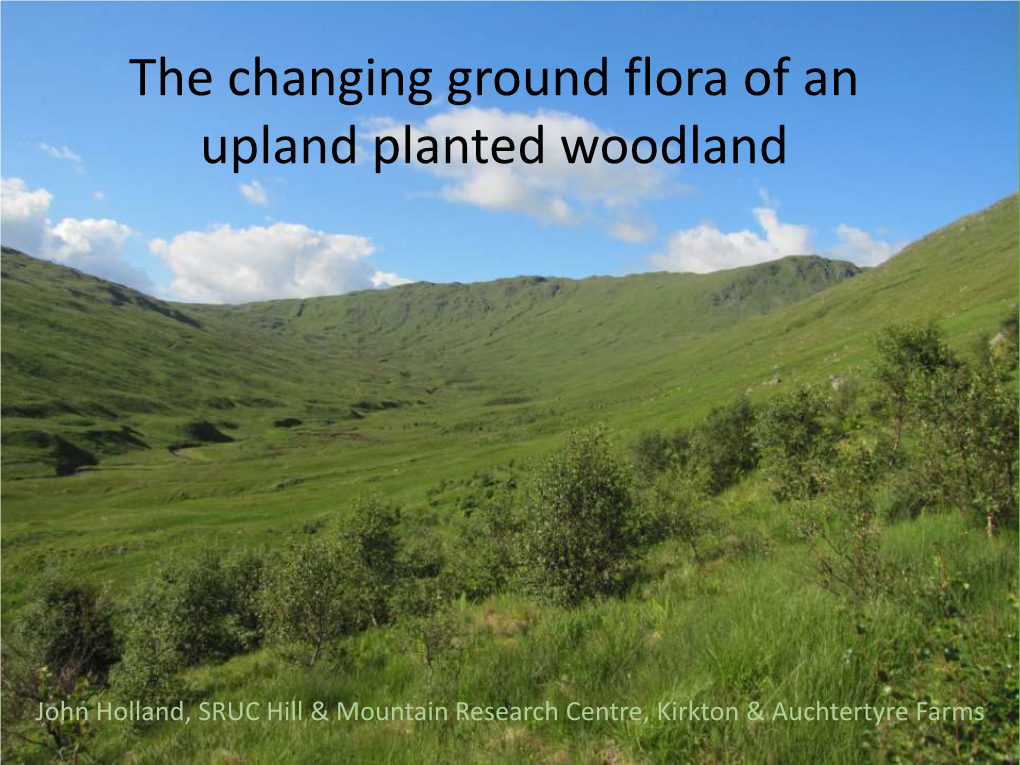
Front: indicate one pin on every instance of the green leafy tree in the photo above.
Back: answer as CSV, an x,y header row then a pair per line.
x,y
487,542
723,446
680,500
192,609
652,454
60,650
797,440
68,627
373,536
316,595
907,353
581,534
967,423
843,526
66,739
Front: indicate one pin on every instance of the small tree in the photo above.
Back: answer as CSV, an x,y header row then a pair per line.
x,y
316,595
967,422
192,609
797,439
581,535
66,739
680,498
907,352
372,536
68,628
652,454
843,527
59,651
723,446
153,642
486,559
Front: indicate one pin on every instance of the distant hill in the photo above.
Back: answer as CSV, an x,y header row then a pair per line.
x,y
91,368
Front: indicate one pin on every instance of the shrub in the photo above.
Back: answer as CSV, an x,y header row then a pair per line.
x,y
68,628
191,610
317,594
679,499
797,439
580,536
723,446
907,352
61,650
372,536
651,454
967,423
67,739
957,660
153,640
486,563
843,527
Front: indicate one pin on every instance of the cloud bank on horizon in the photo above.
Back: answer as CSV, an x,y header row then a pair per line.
x,y
221,265
705,248
284,260
92,245
225,264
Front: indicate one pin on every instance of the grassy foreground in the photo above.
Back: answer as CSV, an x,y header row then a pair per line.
x,y
747,628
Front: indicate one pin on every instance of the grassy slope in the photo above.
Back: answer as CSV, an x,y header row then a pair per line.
x,y
114,355
510,368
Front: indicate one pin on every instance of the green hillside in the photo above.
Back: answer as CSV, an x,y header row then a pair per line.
x,y
121,369
136,430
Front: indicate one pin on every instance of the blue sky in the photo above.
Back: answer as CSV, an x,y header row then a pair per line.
x,y
101,178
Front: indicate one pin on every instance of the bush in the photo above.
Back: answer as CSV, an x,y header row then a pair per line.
x,y
372,536
652,454
60,651
967,424
486,563
68,628
843,525
679,499
580,536
958,660
723,446
907,353
153,658
66,739
191,610
797,440
317,594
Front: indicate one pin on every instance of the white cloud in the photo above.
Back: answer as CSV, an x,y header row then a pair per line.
x,y
786,238
554,191
766,198
862,248
706,248
630,230
98,196
284,260
255,193
62,153
23,223
91,245
388,279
